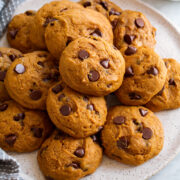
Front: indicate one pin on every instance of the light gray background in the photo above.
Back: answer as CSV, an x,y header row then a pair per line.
x,y
172,11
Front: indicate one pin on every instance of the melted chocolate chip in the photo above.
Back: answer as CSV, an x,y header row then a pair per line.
x,y
130,51
3,107
128,38
172,82
13,33
123,142
86,4
19,69
147,133
61,96
129,72
93,75
30,13
10,139
90,107
58,88
12,57
94,138
143,112
153,70
19,116
2,75
139,22
104,4
114,12
75,165
160,92
105,63
48,20
79,152
82,54
96,33
119,120
35,94
65,110
134,96
37,132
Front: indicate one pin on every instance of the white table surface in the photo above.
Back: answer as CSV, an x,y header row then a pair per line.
x,y
172,11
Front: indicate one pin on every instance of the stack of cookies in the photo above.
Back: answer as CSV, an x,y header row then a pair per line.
x,y
65,61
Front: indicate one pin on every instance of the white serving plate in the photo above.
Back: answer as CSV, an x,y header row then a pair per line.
x,y
168,44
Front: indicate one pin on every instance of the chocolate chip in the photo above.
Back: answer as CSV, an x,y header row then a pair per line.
x,y
134,96
35,94
90,107
104,4
86,4
40,63
19,69
93,75
105,63
119,120
79,152
94,138
19,116
123,142
12,57
3,107
114,12
96,33
147,133
58,88
139,22
10,139
129,72
75,165
172,82
2,75
61,97
37,132
128,38
143,112
85,98
13,33
160,92
82,54
47,78
130,51
65,110
30,13
153,70
48,20
64,9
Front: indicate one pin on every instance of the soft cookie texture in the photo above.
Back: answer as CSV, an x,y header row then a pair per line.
x,y
169,96
133,28
73,24
92,66
22,130
75,114
18,32
144,77
63,158
7,56
44,16
29,78
132,135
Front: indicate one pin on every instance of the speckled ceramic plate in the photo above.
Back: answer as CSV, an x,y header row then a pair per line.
x,y
168,43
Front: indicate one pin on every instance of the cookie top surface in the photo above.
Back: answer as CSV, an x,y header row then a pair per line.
x,y
133,28
7,56
75,114
92,66
45,15
29,78
73,24
22,130
62,158
169,96
132,134
144,77
18,32
105,7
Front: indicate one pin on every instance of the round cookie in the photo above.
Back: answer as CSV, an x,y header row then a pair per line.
x,y
44,16
29,78
75,114
18,32
63,158
144,77
132,135
169,96
92,66
22,130
105,7
73,24
133,28
7,55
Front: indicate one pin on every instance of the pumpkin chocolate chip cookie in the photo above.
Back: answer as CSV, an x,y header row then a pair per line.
x,y
63,158
169,96
75,114
132,135
92,66
7,56
18,32
44,16
133,28
73,24
29,78
22,130
144,77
